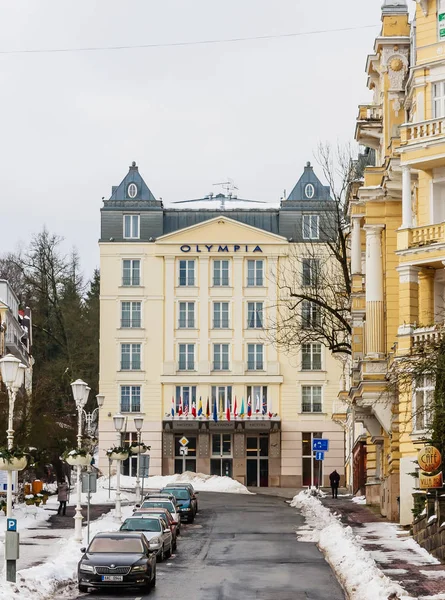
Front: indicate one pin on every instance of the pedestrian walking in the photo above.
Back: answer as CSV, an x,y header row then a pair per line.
x,y
62,496
334,478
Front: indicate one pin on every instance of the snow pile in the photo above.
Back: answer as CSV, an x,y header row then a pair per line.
x,y
200,482
359,499
356,570
40,582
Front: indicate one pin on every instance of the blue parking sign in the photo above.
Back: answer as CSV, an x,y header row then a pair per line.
x,y
319,456
11,525
320,444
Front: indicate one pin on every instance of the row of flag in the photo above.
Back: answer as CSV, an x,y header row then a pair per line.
x,y
183,409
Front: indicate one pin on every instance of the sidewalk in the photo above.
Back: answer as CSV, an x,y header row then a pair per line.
x,y
397,555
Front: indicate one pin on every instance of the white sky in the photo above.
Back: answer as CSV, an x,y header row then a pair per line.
x,y
71,123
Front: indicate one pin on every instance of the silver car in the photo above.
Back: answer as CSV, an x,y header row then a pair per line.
x,y
162,503
156,531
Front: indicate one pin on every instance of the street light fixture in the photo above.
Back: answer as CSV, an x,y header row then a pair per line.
x,y
118,421
138,422
13,376
80,394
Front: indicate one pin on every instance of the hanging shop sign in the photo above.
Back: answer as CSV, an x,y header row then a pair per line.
x,y
429,459
427,482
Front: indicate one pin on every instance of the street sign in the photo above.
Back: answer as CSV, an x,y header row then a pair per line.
x,y
89,483
183,451
320,444
183,441
144,465
11,525
319,455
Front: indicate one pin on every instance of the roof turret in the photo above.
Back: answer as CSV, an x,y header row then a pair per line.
x,y
394,7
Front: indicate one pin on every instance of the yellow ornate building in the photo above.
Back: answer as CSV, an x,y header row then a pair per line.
x,y
398,246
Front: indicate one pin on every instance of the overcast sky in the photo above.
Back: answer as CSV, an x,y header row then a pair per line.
x,y
71,123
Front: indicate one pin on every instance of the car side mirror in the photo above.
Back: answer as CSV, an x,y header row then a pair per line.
x,y
83,550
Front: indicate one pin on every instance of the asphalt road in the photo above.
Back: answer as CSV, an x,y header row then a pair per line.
x,y
239,548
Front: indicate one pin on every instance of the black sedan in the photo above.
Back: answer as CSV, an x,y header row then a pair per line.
x,y
117,559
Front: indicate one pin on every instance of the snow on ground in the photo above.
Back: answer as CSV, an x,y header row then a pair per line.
x,y
355,568
40,582
200,482
359,499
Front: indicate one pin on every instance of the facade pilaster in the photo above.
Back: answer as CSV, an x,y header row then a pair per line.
x,y
169,333
203,315
426,297
407,210
356,247
375,346
408,299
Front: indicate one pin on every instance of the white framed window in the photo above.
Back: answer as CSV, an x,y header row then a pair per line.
x,y
310,271
131,272
422,403
186,393
130,398
186,273
186,315
310,227
311,357
255,357
222,396
130,357
258,398
309,191
186,357
439,99
255,315
311,316
220,357
221,273
131,314
311,399
255,273
220,315
131,227
441,20
132,190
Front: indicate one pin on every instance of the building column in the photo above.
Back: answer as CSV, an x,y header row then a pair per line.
x,y
407,210
356,246
426,297
375,345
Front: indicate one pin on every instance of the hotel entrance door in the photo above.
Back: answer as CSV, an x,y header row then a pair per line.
x,y
257,451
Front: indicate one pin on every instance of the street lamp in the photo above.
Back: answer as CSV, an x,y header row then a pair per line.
x,y
13,375
80,395
118,421
138,422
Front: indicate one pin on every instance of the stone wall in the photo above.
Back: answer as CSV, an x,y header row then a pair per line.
x,y
427,530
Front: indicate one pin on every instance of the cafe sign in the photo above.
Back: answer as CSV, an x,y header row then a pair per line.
x,y
427,482
429,459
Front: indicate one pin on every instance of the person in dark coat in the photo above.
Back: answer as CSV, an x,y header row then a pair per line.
x,y
62,496
334,478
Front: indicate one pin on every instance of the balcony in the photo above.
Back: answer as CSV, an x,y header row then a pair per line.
x,y
426,235
13,336
422,132
428,335
369,128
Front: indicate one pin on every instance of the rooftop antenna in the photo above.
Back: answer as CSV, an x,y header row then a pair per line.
x,y
229,187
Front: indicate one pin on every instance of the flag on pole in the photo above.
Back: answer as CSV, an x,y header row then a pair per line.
x,y
215,412
208,408
241,412
249,407
264,405
180,406
194,408
200,407
173,406
270,415
228,412
257,405
220,409
186,408
235,409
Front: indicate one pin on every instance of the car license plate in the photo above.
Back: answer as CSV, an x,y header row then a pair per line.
x,y
112,577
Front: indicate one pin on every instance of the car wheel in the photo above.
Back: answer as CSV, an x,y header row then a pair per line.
x,y
83,588
169,552
175,545
161,555
192,518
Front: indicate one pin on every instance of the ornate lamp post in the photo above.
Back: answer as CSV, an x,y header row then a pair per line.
x,y
80,395
138,422
118,421
91,416
13,376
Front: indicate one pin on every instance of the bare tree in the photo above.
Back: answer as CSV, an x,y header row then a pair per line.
x,y
314,282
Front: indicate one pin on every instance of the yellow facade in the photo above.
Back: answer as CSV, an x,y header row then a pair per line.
x,y
404,195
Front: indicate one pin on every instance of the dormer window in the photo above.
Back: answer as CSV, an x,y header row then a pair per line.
x,y
309,191
131,227
132,190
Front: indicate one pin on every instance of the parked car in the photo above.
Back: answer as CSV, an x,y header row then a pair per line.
x,y
166,515
189,487
186,504
162,495
156,531
161,503
118,559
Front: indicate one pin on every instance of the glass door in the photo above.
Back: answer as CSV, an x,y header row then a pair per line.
x,y
312,469
257,450
129,466
221,461
185,462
